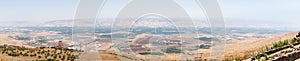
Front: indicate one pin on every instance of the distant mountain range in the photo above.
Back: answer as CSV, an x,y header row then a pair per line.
x,y
59,23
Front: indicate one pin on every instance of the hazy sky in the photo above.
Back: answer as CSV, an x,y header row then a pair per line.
x,y
36,10
234,11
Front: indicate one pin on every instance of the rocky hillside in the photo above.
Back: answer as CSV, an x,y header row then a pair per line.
x,y
239,49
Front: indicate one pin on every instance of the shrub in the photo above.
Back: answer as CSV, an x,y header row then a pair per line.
x,y
22,49
46,60
72,57
25,54
13,54
280,44
267,48
51,60
152,53
293,41
40,56
1,46
32,55
173,50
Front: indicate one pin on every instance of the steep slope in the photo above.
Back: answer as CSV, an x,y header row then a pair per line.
x,y
249,46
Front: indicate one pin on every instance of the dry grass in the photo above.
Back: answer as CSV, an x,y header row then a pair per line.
x,y
240,48
2,59
4,39
108,56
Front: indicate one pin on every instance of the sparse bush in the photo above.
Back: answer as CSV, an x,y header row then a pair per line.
x,y
51,60
32,55
22,49
293,41
1,46
173,50
72,57
13,54
151,53
39,56
267,48
25,54
46,60
280,44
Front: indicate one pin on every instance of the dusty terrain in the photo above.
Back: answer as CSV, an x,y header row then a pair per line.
x,y
246,47
4,39
1,59
234,48
108,56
